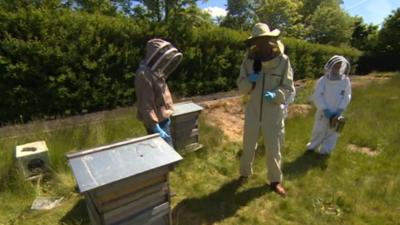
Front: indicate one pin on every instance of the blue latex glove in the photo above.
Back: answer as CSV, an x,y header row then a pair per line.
x,y
328,114
253,77
157,129
338,113
269,96
168,122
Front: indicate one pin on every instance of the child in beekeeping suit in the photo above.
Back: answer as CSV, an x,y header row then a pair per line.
x,y
331,97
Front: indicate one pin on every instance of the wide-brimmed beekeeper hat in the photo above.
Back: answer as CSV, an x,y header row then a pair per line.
x,y
262,30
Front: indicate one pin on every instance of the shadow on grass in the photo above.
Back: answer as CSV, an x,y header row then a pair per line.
x,y
305,162
216,206
77,215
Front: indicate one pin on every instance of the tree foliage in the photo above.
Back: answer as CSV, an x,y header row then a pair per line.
x,y
389,35
364,36
384,53
57,61
282,14
241,14
329,24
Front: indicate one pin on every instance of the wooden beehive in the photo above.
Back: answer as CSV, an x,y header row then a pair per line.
x,y
184,126
126,182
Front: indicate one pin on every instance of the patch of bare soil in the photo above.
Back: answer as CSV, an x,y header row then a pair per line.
x,y
363,150
362,81
299,110
228,115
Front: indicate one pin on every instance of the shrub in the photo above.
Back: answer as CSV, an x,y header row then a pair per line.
x,y
63,62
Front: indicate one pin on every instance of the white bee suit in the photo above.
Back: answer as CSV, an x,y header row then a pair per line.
x,y
333,94
265,117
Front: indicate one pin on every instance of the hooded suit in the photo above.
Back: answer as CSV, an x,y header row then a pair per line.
x,y
262,116
154,101
333,93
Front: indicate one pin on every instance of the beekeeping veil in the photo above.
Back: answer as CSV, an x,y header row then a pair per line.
x,y
161,57
344,68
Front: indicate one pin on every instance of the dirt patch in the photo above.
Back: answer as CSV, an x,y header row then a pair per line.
x,y
363,81
363,150
299,110
228,115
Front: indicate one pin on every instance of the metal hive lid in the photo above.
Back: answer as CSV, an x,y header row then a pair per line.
x,y
185,107
103,165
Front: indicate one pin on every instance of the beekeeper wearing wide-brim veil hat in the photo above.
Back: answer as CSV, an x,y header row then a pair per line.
x,y
154,101
331,97
266,77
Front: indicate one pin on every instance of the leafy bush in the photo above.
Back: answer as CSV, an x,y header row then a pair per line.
x,y
62,62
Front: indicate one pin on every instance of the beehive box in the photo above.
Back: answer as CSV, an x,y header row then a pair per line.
x,y
32,158
126,182
184,126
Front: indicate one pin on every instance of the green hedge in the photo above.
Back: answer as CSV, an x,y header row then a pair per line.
x,y
61,62
308,59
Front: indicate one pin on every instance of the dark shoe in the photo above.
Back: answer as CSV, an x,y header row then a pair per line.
x,y
243,180
278,188
310,151
323,156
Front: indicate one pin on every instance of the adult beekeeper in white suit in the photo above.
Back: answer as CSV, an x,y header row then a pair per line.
x,y
154,101
331,97
266,77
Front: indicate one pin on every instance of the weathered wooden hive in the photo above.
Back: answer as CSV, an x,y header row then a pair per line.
x,y
126,182
184,126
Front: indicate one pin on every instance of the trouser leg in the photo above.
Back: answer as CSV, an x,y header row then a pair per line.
x,y
321,125
250,138
273,140
329,142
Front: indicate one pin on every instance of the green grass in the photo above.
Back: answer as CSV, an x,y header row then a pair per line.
x,y
348,188
303,95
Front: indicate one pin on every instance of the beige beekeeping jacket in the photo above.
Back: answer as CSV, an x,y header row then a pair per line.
x,y
276,76
263,117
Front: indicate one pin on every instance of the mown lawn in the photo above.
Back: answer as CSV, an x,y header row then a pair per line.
x,y
348,188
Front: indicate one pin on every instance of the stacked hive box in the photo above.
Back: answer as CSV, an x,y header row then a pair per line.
x,y
184,126
126,182
33,158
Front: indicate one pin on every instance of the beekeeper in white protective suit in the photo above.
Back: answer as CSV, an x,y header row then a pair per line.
x,y
331,97
154,101
267,78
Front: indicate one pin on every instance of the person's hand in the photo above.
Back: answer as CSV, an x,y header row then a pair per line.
x,y
338,113
328,114
157,129
253,77
269,96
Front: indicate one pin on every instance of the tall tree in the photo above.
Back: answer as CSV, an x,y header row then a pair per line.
x,y
364,35
240,14
330,24
389,35
309,6
18,4
282,14
107,7
160,10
